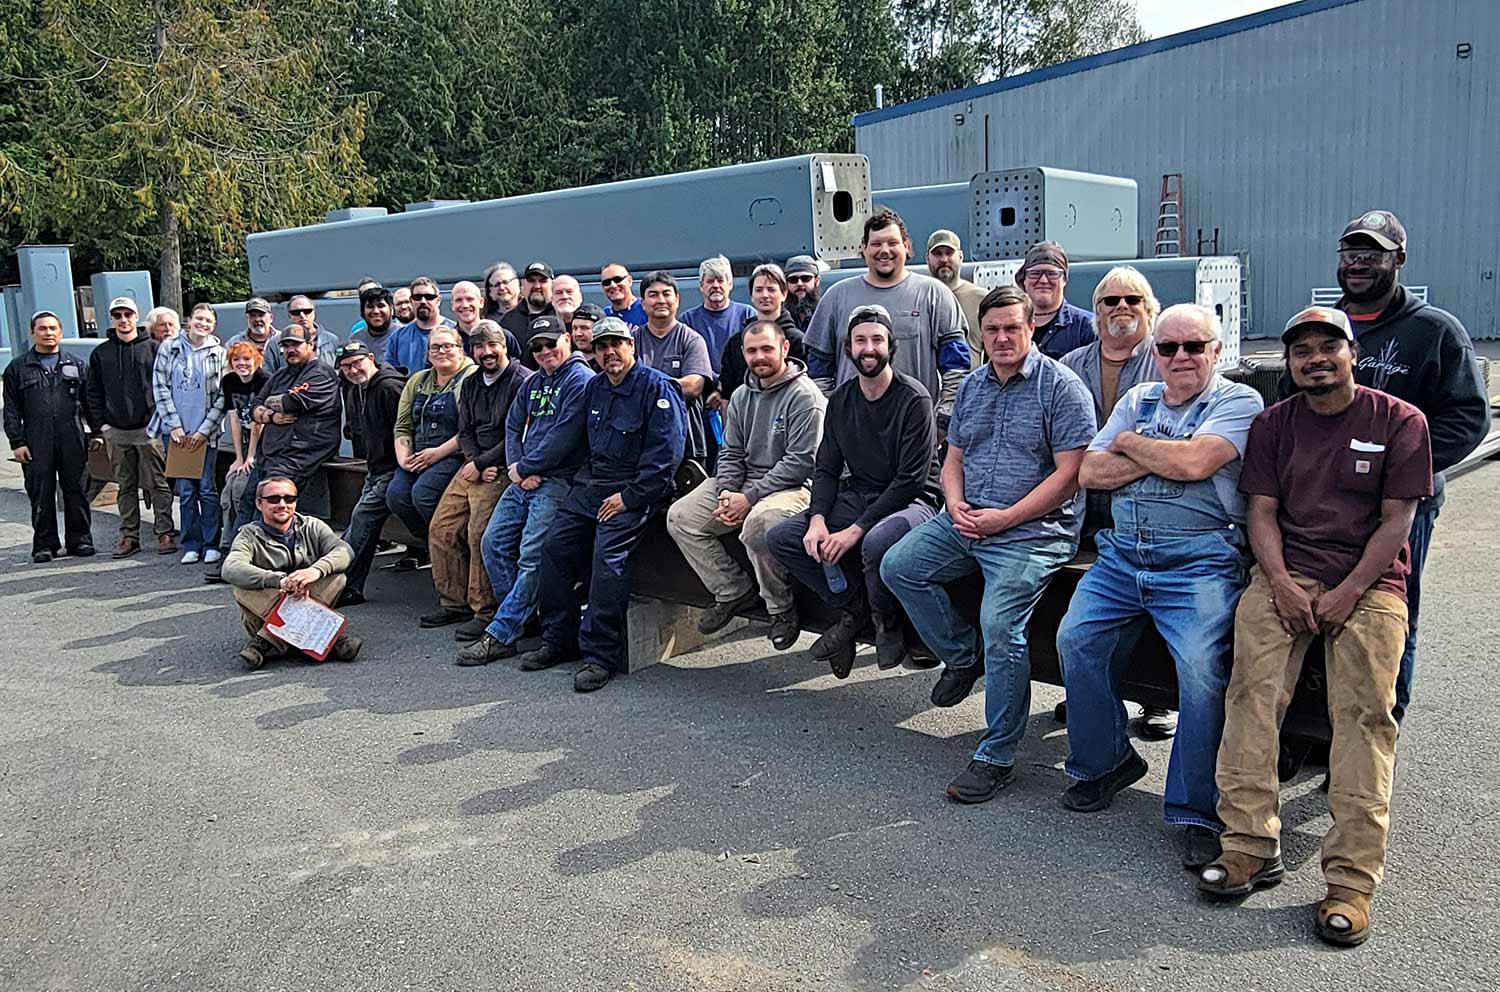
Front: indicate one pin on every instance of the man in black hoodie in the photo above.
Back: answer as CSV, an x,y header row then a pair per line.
x,y
1417,353
120,402
536,302
372,392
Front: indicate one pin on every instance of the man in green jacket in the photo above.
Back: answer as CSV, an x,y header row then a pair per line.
x,y
284,553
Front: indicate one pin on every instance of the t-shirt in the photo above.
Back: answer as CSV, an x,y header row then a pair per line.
x,y
680,352
239,395
1329,474
718,326
48,360
1109,380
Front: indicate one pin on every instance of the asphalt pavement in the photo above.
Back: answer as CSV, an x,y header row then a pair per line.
x,y
734,819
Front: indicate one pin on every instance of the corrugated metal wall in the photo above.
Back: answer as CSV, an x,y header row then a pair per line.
x,y
1283,132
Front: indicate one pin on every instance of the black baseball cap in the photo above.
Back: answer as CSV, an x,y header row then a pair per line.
x,y
1380,226
294,332
870,313
589,311
538,269
547,326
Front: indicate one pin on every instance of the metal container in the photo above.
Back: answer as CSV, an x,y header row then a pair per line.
x,y
925,209
1092,216
107,286
47,284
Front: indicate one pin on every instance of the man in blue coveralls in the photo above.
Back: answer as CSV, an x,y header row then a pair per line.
x,y
637,431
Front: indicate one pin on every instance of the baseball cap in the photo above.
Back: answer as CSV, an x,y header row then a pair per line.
x,y
123,303
1380,226
295,332
547,326
612,327
45,313
799,265
864,315
257,303
589,311
538,269
1333,320
350,349
1043,251
943,237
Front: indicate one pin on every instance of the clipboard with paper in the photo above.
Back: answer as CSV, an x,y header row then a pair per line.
x,y
183,463
305,624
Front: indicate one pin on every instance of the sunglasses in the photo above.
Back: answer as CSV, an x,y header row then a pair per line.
x,y
538,346
612,280
280,498
118,314
424,296
300,312
1130,301
1167,349
800,279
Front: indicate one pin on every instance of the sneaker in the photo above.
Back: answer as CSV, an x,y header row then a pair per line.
x,y
955,684
127,547
1156,723
591,678
349,597
483,651
716,616
1200,848
346,648
840,635
212,555
890,642
190,558
471,630
41,557
785,629
443,616
1096,794
980,782
256,651
542,658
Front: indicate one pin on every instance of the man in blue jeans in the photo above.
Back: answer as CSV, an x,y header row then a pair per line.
x,y
1013,514
544,447
1169,455
372,397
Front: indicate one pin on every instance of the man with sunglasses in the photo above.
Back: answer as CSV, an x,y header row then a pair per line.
x,y
407,348
615,280
304,314
284,553
804,279
1170,454
1060,326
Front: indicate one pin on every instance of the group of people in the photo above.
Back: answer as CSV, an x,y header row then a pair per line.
x,y
872,443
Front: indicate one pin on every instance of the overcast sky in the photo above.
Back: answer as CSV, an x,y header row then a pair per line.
x,y
1163,17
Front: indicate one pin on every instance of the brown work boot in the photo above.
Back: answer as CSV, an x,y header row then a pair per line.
x,y
127,547
165,545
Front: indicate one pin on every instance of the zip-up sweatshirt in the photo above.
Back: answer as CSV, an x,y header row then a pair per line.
x,y
771,434
260,557
172,352
544,431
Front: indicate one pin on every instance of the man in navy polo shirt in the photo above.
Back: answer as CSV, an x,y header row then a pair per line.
x,y
1060,326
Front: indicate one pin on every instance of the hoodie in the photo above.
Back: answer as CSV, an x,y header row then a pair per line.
x,y
732,368
370,411
119,383
544,430
193,374
771,434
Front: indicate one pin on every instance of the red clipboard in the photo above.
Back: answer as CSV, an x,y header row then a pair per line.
x,y
273,620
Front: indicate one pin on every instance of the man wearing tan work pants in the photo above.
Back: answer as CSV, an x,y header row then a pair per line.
x,y
1333,477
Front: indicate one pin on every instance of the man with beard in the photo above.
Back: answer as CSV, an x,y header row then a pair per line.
x,y
668,345
1418,353
1333,476
258,327
406,311
1013,509
567,297
945,260
456,532
502,290
407,347
379,313
581,331
615,280
637,428
925,317
803,276
718,318
1060,326
324,343
372,397
538,303
771,436
1169,455
874,480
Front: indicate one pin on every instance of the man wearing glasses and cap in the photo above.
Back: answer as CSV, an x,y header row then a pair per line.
x,y
1060,326
259,326
536,301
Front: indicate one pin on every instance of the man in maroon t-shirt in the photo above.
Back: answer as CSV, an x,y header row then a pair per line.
x,y
1333,476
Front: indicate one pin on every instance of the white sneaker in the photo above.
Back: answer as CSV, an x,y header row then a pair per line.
x,y
190,558
212,555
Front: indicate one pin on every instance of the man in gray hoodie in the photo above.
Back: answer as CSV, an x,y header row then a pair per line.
x,y
771,436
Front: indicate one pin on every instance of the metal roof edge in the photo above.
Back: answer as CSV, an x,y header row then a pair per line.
x,y
1208,32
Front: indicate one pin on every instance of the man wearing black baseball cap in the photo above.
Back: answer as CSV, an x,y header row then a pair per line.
x,y
581,329
536,286
372,398
1418,353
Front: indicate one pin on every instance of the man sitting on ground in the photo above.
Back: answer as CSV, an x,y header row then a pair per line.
x,y
284,553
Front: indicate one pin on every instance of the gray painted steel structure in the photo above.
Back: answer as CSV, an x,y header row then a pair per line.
x,y
1285,124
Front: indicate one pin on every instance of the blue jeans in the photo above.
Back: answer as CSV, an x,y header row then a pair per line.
x,y
413,497
1189,586
365,522
512,550
198,506
1015,576
1420,540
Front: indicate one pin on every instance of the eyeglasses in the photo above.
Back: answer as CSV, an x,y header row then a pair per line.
x,y
301,311
539,345
119,314
1363,256
280,498
1167,349
612,280
800,279
424,296
1131,300
1044,275
438,349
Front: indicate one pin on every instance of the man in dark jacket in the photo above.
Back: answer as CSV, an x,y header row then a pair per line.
x,y
637,430
455,535
44,420
371,393
537,302
1417,353
120,403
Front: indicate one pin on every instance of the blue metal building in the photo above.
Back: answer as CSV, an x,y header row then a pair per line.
x,y
1284,124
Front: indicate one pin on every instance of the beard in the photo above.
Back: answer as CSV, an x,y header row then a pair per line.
x,y
801,307
1380,284
880,365
1121,327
